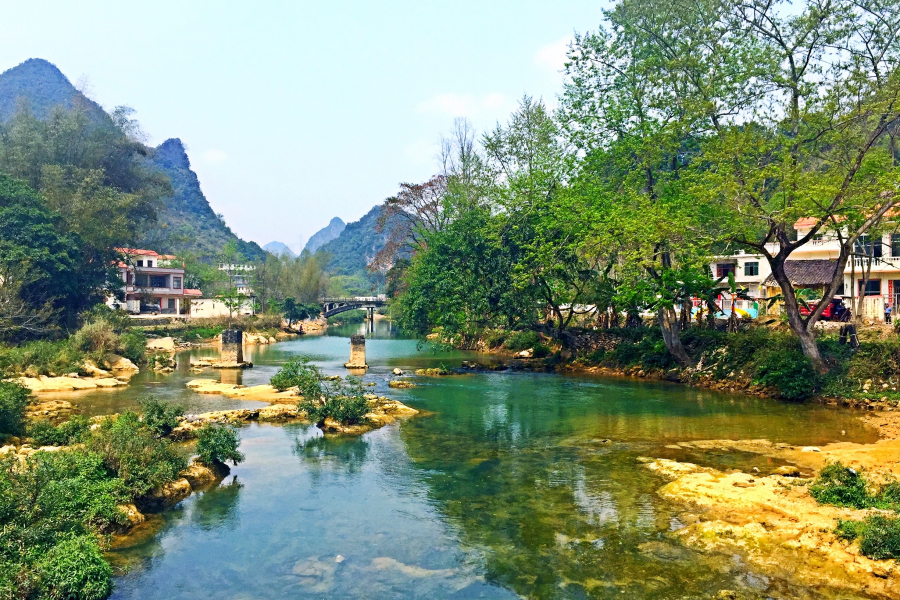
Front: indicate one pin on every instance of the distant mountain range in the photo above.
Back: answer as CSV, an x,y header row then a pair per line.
x,y
325,235
279,249
187,222
356,246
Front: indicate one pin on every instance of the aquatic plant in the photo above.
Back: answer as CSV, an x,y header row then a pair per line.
x,y
343,401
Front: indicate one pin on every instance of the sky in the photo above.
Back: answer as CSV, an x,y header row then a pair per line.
x,y
296,112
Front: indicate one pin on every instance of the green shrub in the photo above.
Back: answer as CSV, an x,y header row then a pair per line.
x,y
343,401
13,399
75,485
841,486
133,344
300,373
217,444
73,431
40,357
521,340
74,569
788,371
879,536
135,454
97,337
160,417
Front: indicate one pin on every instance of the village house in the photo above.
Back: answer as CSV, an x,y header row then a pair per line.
x,y
812,266
153,284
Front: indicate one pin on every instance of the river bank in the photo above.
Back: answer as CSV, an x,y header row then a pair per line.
x,y
773,521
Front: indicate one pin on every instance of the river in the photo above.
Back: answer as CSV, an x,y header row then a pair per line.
x,y
508,485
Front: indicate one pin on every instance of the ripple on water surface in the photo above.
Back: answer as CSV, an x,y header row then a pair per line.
x,y
512,485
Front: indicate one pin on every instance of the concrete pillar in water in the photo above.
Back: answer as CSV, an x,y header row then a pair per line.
x,y
232,346
357,353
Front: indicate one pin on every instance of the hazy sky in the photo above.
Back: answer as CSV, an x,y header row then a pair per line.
x,y
296,112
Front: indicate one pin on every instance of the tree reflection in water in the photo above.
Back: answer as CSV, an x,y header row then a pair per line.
x,y
218,507
323,453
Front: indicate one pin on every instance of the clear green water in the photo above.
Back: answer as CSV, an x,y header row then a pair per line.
x,y
509,486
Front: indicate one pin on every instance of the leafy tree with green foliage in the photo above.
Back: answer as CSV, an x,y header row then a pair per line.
x,y
160,417
73,431
217,444
299,372
343,401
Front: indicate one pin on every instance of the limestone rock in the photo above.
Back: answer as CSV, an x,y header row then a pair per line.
x,y
529,353
401,383
119,363
200,475
167,495
132,515
397,371
787,471
166,344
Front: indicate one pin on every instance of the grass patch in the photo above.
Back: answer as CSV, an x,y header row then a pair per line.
x,y
878,535
343,401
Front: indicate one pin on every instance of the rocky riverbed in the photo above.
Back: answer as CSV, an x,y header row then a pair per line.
x,y
773,521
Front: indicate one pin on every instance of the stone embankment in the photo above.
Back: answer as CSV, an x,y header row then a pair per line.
x,y
773,522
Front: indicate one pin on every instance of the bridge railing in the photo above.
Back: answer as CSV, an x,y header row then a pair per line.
x,y
381,298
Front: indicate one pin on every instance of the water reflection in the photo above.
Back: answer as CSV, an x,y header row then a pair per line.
x,y
333,453
218,507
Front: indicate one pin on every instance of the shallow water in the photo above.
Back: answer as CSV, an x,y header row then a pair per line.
x,y
508,486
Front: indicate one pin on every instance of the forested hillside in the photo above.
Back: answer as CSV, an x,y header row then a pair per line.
x,y
351,251
325,235
188,223
37,91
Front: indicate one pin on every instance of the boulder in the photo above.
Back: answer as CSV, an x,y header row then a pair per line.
x,y
199,475
119,363
529,353
397,371
166,496
165,344
132,515
92,369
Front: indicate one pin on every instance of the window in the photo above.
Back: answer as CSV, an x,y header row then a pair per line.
x,y
171,303
895,244
149,263
723,269
176,283
141,280
873,287
158,281
868,247
140,263
751,268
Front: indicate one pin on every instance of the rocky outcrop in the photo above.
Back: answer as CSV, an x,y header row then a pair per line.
x,y
401,383
202,476
774,524
69,383
48,410
263,393
165,496
165,344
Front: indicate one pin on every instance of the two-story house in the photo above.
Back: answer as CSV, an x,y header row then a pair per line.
x,y
153,283
813,264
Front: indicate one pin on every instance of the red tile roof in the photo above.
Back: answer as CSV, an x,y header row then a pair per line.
x,y
136,252
192,292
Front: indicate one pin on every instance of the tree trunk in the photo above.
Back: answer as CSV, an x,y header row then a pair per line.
x,y
668,322
795,319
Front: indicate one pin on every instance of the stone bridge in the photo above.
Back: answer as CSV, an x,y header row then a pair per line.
x,y
335,306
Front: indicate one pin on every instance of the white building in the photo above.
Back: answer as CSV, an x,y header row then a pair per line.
x,y
810,266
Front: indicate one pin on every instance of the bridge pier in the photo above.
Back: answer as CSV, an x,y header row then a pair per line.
x,y
357,353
